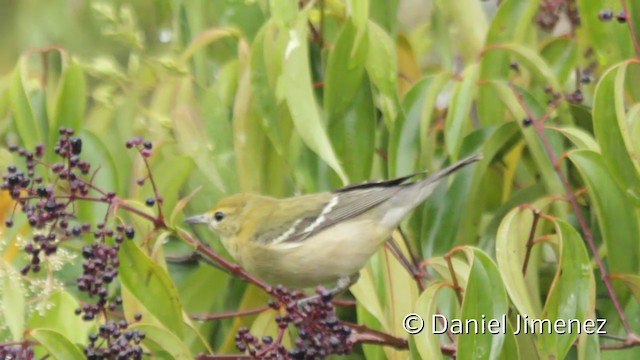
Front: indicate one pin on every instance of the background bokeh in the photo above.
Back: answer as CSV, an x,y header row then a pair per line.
x,y
288,97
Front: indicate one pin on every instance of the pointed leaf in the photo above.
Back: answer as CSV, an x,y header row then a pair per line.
x,y
618,225
160,339
24,120
57,345
71,100
484,278
151,286
612,130
295,88
460,111
569,297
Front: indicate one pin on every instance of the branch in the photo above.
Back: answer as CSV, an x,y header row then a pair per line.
x,y
232,267
538,124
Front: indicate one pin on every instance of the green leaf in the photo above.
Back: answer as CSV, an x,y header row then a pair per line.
x,y
71,100
426,341
510,253
459,111
218,162
151,286
60,317
569,296
13,302
160,339
382,60
24,120
384,13
618,225
252,298
265,324
284,11
510,24
632,281
358,11
610,43
365,293
447,220
580,138
484,279
57,345
407,139
534,145
401,293
295,88
95,151
345,68
266,67
205,39
200,293
353,136
542,72
469,21
561,54
612,130
249,139
169,186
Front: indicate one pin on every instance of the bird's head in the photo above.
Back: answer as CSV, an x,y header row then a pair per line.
x,y
225,217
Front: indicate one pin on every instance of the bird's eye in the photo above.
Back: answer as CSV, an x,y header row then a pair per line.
x,y
219,215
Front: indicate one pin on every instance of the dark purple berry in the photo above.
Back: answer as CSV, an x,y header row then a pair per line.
x,y
605,14
129,232
87,252
76,145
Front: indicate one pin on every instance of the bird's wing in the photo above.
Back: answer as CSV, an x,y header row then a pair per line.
x,y
378,183
341,206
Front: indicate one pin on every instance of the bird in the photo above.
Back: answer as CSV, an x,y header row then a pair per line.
x,y
321,238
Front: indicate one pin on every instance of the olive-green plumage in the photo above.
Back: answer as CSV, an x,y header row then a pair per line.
x,y
319,238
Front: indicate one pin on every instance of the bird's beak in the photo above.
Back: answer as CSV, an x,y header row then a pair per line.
x,y
197,219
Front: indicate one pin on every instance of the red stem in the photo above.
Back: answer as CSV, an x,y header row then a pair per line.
x,y
365,334
604,274
632,31
159,221
232,267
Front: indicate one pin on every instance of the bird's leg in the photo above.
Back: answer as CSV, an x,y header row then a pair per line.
x,y
342,285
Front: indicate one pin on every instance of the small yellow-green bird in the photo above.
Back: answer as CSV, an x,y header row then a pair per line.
x,y
317,239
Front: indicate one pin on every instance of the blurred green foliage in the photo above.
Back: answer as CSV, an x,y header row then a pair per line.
x,y
285,97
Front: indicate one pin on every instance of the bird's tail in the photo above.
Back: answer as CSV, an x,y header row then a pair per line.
x,y
452,168
428,184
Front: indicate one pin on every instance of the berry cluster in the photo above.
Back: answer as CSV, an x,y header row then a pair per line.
x,y
20,351
320,333
120,342
99,269
49,207
45,210
549,13
264,348
145,147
